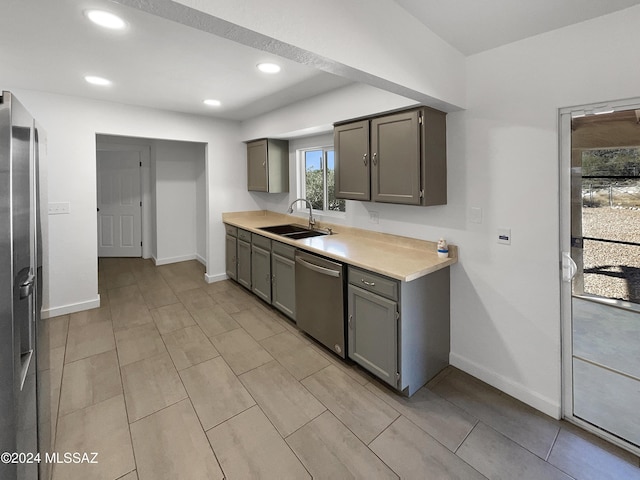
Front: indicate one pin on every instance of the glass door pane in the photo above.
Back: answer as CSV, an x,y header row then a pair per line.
x,y
605,244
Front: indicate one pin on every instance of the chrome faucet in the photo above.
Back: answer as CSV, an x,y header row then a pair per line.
x,y
312,222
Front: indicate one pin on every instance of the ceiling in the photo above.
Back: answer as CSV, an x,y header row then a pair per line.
x,y
473,26
50,46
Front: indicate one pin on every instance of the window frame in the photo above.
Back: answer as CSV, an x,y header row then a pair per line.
x,y
302,177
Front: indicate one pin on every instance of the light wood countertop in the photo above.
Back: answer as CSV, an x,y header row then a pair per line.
x,y
402,258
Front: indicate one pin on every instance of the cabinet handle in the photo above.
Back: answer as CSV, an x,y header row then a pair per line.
x,y
371,284
351,322
364,159
375,162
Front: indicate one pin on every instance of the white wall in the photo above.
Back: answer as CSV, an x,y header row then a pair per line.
x,y
503,157
201,207
180,219
506,299
71,124
317,114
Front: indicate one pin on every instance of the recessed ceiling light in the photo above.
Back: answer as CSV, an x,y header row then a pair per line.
x,y
97,80
212,102
106,19
268,67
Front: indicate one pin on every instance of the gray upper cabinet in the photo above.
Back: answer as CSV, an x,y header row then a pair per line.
x,y
353,165
393,158
268,166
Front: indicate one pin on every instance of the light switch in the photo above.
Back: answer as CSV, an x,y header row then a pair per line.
x,y
59,208
475,215
504,236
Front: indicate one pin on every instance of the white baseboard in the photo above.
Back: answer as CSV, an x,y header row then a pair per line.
x,y
215,278
71,308
515,389
202,260
182,258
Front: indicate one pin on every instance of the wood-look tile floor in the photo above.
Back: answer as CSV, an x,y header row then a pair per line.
x,y
172,378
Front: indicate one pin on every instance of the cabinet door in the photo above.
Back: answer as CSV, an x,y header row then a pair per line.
x,y
283,285
244,264
373,333
257,177
395,158
231,253
352,162
261,273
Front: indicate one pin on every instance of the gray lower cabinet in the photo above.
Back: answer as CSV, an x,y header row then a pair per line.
x,y
283,279
261,267
244,258
399,331
231,257
264,266
231,251
372,333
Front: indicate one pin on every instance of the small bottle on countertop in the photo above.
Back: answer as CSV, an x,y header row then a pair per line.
x,y
443,248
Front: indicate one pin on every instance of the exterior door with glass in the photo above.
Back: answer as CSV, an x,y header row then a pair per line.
x,y
601,247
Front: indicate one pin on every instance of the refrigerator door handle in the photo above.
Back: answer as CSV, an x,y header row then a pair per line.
x,y
26,287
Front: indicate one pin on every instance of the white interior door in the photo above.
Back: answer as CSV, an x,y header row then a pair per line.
x,y
119,204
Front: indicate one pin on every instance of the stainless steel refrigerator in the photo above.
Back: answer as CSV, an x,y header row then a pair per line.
x,y
24,350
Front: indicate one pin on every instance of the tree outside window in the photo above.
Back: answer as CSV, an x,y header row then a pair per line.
x,y
319,179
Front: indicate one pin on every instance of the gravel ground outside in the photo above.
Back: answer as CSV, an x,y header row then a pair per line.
x,y
612,270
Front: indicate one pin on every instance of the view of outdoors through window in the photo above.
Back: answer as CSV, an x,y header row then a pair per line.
x,y
611,223
319,184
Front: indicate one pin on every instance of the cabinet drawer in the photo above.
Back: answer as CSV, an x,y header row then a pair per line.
x,y
260,241
284,250
374,283
244,235
231,230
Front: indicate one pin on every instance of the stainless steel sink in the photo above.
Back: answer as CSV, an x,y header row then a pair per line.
x,y
293,231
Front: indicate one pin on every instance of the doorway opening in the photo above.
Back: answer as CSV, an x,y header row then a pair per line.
x,y
155,189
600,241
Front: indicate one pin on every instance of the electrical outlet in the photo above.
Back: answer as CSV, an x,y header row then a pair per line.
x,y
59,208
374,217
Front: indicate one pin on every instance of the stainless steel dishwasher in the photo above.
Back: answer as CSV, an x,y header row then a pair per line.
x,y
320,300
